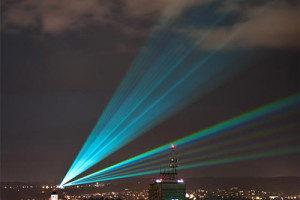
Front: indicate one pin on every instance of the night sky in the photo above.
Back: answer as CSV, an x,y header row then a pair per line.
x,y
61,62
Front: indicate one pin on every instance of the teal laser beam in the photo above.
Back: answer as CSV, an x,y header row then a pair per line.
x,y
132,106
149,92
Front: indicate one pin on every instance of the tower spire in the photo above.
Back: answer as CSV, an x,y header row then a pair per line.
x,y
173,164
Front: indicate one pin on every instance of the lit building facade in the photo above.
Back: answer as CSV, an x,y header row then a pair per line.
x,y
168,186
166,190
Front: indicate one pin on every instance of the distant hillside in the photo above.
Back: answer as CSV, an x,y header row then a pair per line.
x,y
290,185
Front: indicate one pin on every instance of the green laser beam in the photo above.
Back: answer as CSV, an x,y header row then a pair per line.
x,y
261,111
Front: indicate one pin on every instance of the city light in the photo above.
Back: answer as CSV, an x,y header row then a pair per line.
x,y
158,180
227,193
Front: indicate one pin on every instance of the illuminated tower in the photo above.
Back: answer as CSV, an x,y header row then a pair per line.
x,y
168,186
173,164
54,196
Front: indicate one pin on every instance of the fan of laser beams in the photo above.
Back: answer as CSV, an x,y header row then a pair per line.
x,y
213,152
148,162
227,138
168,69
273,147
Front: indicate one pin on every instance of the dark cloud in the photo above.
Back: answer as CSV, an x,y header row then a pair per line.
x,y
277,27
56,17
253,24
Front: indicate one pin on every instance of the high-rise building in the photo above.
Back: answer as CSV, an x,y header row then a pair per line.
x,y
168,186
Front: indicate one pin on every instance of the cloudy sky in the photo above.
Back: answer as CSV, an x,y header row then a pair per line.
x,y
62,60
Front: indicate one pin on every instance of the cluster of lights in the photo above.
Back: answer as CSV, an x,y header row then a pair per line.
x,y
142,165
158,180
180,181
